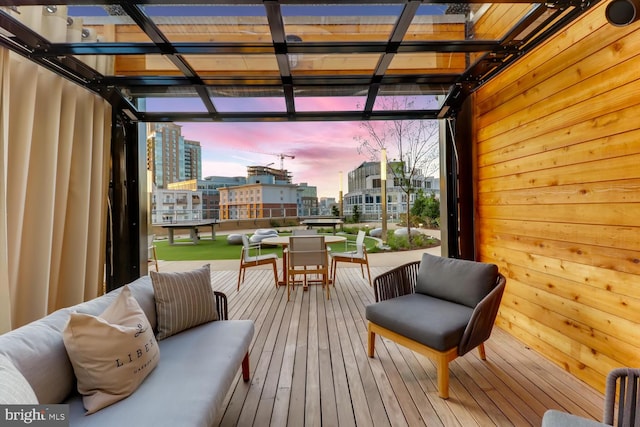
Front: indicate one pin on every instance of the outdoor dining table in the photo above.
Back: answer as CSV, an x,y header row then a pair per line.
x,y
284,242
192,226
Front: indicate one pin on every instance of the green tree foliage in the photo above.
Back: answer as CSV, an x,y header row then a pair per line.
x,y
335,211
427,209
356,214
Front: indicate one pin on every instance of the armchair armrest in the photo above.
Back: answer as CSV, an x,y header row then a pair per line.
x,y
256,246
484,315
396,282
221,305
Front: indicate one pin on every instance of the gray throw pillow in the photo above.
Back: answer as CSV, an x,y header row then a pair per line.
x,y
183,300
456,280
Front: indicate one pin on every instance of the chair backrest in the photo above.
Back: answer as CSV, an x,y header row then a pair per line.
x,y
624,383
246,247
360,242
309,232
456,280
307,250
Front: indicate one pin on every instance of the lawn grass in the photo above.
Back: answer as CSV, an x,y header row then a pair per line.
x,y
208,249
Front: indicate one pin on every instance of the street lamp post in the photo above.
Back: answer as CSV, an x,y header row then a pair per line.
x,y
340,197
383,192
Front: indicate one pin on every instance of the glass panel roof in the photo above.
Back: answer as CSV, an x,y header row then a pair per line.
x,y
279,60
340,22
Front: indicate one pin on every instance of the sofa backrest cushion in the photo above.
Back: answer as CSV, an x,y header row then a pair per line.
x,y
14,387
456,280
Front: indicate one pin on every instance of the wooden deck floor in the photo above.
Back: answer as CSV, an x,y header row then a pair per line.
x,y
309,367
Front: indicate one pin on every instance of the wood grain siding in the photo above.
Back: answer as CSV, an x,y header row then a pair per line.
x,y
557,141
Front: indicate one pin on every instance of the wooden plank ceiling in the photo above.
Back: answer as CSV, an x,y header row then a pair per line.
x,y
296,52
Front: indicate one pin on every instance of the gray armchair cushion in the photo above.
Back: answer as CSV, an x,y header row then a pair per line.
x,y
555,418
430,321
456,280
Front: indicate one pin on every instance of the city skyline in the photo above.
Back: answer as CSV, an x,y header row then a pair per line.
x,y
321,150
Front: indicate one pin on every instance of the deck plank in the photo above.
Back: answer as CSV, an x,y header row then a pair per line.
x,y
309,367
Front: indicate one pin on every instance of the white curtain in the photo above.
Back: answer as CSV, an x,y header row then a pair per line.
x,y
54,166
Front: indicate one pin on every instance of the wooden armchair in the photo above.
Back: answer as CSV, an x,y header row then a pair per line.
x,y
439,307
247,260
358,256
621,402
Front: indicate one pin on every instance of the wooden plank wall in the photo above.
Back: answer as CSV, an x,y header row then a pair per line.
x,y
558,195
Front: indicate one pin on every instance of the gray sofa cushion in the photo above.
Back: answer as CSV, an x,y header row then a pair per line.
x,y
430,321
555,418
456,280
188,386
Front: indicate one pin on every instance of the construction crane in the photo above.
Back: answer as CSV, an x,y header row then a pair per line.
x,y
281,156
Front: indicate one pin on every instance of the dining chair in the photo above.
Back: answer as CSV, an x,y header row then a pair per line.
x,y
247,260
307,255
152,257
307,232
357,256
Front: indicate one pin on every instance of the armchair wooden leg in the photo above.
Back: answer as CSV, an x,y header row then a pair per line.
x,y
334,264
245,367
275,274
325,279
481,351
371,342
240,277
442,365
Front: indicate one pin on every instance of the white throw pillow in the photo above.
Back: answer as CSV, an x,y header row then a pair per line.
x,y
112,353
14,387
183,300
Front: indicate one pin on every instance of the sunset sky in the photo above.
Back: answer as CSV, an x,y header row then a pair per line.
x,y
321,150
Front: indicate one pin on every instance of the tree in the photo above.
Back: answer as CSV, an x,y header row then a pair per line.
x,y
412,146
356,214
335,211
426,207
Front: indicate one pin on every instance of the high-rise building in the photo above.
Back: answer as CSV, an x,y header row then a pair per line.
x,y
165,153
192,160
170,157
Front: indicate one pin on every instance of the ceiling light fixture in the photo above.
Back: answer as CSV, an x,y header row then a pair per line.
x,y
294,59
620,13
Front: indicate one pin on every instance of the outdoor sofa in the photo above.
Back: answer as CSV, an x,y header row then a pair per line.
x,y
195,368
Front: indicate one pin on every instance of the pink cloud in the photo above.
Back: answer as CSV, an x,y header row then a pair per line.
x,y
321,149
